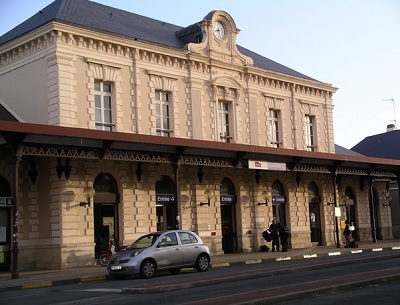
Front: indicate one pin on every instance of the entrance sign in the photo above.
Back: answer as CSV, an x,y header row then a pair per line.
x,y
278,199
228,199
6,201
165,198
265,165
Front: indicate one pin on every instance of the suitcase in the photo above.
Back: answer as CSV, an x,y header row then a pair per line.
x,y
353,244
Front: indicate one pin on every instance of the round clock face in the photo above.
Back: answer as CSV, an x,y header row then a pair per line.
x,y
219,30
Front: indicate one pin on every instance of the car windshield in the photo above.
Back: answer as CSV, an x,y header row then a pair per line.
x,y
144,241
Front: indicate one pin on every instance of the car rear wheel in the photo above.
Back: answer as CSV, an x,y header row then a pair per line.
x,y
202,263
147,269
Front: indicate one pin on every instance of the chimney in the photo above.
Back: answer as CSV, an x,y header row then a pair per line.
x,y
390,127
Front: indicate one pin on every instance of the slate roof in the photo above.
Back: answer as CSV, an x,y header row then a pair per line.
x,y
385,145
99,17
344,151
6,115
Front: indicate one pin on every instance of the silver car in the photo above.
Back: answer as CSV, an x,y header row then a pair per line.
x,y
166,250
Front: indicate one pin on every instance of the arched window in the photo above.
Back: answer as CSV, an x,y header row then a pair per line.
x,y
104,183
5,190
277,188
227,187
165,185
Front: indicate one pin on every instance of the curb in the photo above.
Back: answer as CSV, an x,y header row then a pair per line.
x,y
127,290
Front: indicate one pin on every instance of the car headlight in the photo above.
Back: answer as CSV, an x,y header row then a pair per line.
x,y
136,253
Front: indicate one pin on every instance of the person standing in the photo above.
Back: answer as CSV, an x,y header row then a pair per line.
x,y
347,233
285,235
274,230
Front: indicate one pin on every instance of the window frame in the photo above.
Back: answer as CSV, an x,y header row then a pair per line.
x,y
103,112
224,115
275,130
309,121
163,113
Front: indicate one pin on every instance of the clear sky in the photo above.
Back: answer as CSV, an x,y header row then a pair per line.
x,y
352,44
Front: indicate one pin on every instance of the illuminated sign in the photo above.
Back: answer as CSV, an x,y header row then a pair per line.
x,y
228,199
165,198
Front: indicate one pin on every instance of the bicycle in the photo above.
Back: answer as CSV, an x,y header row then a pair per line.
x,y
106,255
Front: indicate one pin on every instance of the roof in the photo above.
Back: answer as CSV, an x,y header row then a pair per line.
x,y
92,15
344,151
384,145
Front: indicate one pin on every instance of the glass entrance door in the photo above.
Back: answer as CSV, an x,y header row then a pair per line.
x,y
105,226
228,228
5,239
165,217
315,223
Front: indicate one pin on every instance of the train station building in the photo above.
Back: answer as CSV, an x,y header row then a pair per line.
x,y
114,125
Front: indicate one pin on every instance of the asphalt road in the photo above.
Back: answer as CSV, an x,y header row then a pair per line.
x,y
322,280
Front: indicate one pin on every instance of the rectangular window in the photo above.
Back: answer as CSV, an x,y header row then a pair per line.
x,y
224,114
224,121
163,113
102,99
274,128
310,132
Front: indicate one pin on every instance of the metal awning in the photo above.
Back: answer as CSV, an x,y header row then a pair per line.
x,y
44,140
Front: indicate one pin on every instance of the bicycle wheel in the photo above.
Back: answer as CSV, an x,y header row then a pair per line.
x,y
103,259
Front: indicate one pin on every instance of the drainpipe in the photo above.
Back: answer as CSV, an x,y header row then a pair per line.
x,y
336,205
15,273
371,210
175,167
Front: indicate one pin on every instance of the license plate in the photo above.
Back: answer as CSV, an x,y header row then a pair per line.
x,y
116,267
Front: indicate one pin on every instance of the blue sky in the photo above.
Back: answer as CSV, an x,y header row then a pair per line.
x,y
352,44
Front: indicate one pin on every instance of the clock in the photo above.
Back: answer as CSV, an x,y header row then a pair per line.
x,y
219,30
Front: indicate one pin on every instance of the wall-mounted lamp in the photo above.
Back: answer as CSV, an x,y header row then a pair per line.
x,y
344,199
265,195
388,199
88,192
208,194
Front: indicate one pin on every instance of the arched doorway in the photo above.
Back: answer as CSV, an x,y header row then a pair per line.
x,y
105,212
278,203
351,211
5,225
314,201
165,204
228,216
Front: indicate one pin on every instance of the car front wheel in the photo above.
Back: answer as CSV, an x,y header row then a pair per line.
x,y
202,263
147,269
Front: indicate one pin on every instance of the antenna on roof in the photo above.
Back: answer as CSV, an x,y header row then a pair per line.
x,y
394,111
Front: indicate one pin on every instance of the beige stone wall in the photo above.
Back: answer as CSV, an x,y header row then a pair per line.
x,y
54,85
57,233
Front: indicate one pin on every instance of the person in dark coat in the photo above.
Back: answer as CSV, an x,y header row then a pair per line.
x,y
347,233
274,230
284,234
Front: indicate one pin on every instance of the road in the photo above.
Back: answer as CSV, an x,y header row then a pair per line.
x,y
326,280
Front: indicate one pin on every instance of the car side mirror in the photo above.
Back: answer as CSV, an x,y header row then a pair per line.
x,y
161,244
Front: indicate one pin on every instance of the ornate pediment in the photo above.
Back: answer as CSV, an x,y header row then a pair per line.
x,y
215,37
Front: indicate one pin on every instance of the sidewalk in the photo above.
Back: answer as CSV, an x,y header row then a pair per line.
x,y
47,278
